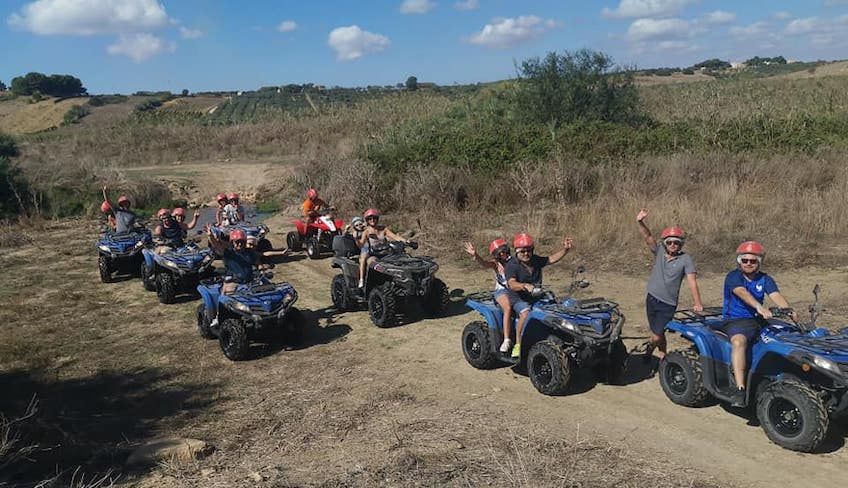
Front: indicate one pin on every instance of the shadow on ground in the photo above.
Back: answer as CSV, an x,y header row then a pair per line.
x,y
92,422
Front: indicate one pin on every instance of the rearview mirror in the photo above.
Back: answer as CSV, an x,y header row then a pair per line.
x,y
581,269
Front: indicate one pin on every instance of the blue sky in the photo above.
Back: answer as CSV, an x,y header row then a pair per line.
x,y
128,45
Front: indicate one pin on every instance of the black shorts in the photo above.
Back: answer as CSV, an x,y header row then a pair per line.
x,y
659,314
750,328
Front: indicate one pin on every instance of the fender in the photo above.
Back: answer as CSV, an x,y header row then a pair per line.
x,y
492,314
300,226
209,295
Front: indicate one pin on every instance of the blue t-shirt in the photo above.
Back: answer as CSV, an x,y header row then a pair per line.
x,y
759,287
240,264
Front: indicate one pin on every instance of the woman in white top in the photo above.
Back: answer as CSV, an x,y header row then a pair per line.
x,y
499,251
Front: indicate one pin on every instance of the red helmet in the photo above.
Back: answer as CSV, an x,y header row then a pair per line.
x,y
232,196
312,193
178,212
497,245
163,213
105,207
751,247
238,235
123,200
522,240
371,212
672,232
221,198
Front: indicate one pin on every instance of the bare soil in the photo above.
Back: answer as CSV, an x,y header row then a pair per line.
x,y
353,405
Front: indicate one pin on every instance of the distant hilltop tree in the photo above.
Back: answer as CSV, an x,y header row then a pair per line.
x,y
758,61
412,83
714,63
2,86
53,85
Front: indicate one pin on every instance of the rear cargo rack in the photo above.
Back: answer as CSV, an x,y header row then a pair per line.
x,y
691,316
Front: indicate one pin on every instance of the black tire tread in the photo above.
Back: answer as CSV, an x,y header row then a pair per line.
x,y
438,299
691,358
487,360
558,386
202,324
807,443
103,268
342,303
235,328
166,288
389,305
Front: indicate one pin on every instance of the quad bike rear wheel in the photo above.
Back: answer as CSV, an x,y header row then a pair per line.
x,y
340,294
477,346
437,300
682,378
293,241
382,306
103,265
233,339
166,287
792,415
549,367
204,322
612,370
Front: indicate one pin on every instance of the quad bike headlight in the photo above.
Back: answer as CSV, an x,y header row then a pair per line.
x,y
568,325
240,306
139,244
105,249
827,365
288,297
170,264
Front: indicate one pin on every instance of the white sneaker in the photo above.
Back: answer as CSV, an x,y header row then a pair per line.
x,y
214,322
362,283
506,345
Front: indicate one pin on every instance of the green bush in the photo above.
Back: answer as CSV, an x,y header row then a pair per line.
x,y
100,100
74,114
569,87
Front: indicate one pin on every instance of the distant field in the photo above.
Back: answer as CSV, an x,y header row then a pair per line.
x,y
19,117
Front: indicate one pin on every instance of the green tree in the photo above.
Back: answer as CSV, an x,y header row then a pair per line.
x,y
581,85
2,86
54,85
713,63
10,180
184,92
412,83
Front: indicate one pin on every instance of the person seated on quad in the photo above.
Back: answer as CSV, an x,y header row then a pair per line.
x,y
124,218
671,264
355,229
219,212
179,215
233,212
347,244
168,234
745,289
375,240
312,206
499,251
524,276
239,260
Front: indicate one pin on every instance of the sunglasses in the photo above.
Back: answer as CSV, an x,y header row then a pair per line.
x,y
676,242
372,218
749,261
528,250
239,242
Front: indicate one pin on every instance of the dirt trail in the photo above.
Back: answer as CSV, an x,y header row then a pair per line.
x,y
427,355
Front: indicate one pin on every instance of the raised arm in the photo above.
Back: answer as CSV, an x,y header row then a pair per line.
x,y
216,244
391,235
567,244
469,248
644,230
106,197
193,223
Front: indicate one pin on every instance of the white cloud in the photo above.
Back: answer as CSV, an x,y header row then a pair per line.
x,y
805,26
89,17
351,42
187,33
467,5
504,33
719,17
782,15
139,47
287,26
657,29
750,31
416,6
632,9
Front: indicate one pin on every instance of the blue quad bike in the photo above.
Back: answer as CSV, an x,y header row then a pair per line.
x,y
121,252
560,336
255,310
251,230
176,271
797,376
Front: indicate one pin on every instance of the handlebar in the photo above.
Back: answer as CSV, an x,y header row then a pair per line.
x,y
778,312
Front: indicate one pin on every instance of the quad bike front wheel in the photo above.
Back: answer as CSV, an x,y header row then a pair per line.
x,y
293,241
148,281
103,265
792,415
313,248
233,339
477,346
549,368
613,369
382,306
166,287
682,378
340,294
204,322
437,299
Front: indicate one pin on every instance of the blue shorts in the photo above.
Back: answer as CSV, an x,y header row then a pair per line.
x,y
750,327
499,293
659,314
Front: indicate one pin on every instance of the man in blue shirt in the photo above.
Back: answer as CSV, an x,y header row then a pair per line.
x,y
745,289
